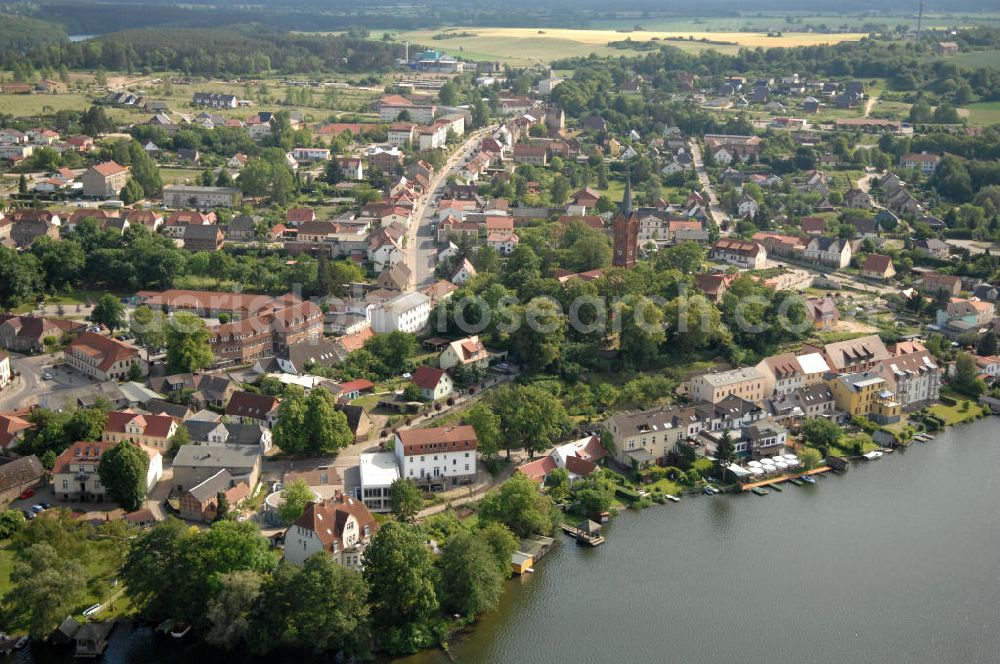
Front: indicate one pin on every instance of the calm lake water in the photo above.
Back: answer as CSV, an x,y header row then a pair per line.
x,y
897,560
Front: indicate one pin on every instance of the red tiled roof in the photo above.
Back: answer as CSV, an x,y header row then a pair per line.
x,y
109,168
877,263
10,425
157,426
328,518
248,404
538,469
356,341
80,452
356,385
438,439
108,350
427,377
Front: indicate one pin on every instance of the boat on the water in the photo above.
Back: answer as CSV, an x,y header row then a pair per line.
x,y
759,491
672,498
874,454
809,479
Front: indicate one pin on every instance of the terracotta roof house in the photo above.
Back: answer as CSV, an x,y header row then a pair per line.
x,y
714,286
104,180
823,312
878,267
580,458
103,358
249,407
468,352
13,424
341,528
856,354
203,238
438,455
586,197
150,430
299,215
592,220
434,383
812,225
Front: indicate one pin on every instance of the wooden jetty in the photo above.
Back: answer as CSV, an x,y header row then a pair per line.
x,y
587,532
750,486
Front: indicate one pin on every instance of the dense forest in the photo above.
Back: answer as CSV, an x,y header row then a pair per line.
x,y
234,51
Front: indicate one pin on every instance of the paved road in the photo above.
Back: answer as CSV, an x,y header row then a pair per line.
x,y
421,247
699,167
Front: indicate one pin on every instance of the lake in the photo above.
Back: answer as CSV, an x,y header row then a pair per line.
x,y
897,560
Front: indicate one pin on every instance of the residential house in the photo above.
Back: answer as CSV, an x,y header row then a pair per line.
x,y
781,375
203,238
855,355
438,455
912,374
407,312
250,408
435,384
923,162
358,420
933,248
971,311
19,475
865,394
645,438
537,155
396,278
196,463
746,255
462,272
822,312
341,528
933,283
103,358
213,431
104,180
833,252
467,352
75,475
878,267
154,431
746,383
201,502
713,285
580,458
27,334
858,199
812,225
13,424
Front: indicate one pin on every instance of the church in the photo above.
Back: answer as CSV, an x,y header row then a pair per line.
x,y
625,232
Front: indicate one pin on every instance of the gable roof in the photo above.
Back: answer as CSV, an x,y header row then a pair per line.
x,y
427,377
157,426
327,520
439,439
248,404
877,263
19,472
108,351
109,168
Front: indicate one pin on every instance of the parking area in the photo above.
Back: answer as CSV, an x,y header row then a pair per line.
x,y
87,511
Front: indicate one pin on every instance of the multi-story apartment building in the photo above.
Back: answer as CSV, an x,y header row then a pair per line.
x,y
746,383
103,358
439,455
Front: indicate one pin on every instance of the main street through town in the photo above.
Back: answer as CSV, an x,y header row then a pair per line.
x,y
421,246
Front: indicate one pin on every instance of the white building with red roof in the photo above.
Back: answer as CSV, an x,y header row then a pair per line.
x,y
153,431
103,358
75,474
579,458
438,455
341,528
468,352
434,383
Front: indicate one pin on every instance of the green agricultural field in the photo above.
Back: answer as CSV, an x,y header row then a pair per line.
x,y
777,21
976,59
28,105
180,175
984,112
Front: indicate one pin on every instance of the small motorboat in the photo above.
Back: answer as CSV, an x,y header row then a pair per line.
x,y
759,491
809,479
180,630
21,643
672,498
708,491
874,454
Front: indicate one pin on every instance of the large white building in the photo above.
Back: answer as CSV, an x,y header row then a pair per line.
x,y
439,455
378,470
408,312
186,196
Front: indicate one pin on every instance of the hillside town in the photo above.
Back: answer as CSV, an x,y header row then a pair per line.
x,y
523,300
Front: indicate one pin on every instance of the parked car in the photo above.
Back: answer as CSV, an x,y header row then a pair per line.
x,y
28,514
46,376
27,493
46,505
37,509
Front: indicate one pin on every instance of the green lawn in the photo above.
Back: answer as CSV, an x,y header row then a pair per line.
x,y
955,414
6,567
180,175
28,105
985,112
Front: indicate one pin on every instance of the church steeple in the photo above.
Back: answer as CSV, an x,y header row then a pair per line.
x,y
626,207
